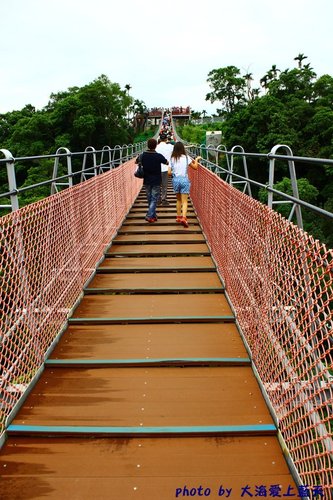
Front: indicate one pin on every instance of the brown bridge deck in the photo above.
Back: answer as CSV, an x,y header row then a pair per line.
x,y
149,393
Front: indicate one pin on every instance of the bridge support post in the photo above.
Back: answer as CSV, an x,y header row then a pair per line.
x,y
10,164
247,186
55,184
292,172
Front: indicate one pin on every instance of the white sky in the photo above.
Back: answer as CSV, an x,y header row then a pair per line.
x,y
164,50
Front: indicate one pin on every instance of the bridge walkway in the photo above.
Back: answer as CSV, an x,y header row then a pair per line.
x,y
149,393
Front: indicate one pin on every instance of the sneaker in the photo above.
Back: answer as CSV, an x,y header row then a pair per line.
x,y
165,203
151,219
179,219
184,222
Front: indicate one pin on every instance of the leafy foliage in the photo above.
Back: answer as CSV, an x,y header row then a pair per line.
x,y
228,87
196,134
146,134
91,115
94,114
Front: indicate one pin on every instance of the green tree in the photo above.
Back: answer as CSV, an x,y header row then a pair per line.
x,y
269,77
227,87
323,91
195,115
92,115
295,83
300,58
196,134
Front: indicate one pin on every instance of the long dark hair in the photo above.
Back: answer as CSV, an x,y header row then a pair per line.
x,y
178,150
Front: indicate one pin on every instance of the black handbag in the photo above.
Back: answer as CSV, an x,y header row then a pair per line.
x,y
139,171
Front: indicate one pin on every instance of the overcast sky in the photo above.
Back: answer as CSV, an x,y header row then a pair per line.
x,y
164,50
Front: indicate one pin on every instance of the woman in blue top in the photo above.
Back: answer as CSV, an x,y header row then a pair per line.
x,y
180,162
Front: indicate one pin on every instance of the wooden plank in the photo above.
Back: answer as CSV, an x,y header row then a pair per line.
x,y
154,307
142,208
156,281
146,235
163,340
140,468
163,249
162,221
160,228
156,263
139,216
147,431
152,397
163,362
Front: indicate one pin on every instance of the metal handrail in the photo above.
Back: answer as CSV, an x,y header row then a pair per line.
x,y
132,150
116,157
295,200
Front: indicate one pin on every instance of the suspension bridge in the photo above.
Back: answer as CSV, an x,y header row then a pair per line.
x,y
149,361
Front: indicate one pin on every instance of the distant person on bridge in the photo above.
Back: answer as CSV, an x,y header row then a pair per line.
x,y
151,161
165,149
180,162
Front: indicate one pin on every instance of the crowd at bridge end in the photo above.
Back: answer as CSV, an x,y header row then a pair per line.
x,y
175,110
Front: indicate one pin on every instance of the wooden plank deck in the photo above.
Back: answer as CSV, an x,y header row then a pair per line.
x,y
149,394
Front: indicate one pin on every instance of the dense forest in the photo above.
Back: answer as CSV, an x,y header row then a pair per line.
x,y
292,107
96,114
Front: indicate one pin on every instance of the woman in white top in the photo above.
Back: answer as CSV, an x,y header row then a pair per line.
x,y
180,162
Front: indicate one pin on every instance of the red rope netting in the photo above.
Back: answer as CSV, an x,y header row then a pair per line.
x,y
279,280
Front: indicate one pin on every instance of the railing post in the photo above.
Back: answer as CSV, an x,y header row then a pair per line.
x,y
221,148
212,154
246,174
106,149
116,161
94,172
292,172
10,164
54,185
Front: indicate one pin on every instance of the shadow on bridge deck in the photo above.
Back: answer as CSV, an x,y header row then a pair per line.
x,y
149,393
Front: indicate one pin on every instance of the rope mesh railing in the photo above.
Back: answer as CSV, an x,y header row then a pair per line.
x,y
48,250
279,280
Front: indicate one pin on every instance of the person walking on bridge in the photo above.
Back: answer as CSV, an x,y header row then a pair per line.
x,y
152,178
180,162
165,148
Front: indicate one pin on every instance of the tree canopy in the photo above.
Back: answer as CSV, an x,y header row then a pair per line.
x,y
94,114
